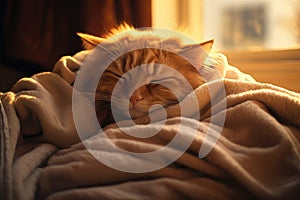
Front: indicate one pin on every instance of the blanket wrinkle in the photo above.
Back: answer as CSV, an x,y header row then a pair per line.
x,y
256,156
67,66
45,106
19,171
156,189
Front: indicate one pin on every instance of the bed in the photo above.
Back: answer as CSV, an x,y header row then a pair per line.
x,y
255,156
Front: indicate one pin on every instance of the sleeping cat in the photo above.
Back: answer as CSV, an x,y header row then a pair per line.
x,y
152,93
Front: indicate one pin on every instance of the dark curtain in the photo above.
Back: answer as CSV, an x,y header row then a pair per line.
x,y
39,32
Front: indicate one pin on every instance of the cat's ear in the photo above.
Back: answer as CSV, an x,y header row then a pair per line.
x,y
89,41
207,45
197,53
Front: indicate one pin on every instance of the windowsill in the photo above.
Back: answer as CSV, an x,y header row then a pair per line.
x,y
263,55
279,67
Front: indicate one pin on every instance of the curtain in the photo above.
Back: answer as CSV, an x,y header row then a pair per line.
x,y
41,31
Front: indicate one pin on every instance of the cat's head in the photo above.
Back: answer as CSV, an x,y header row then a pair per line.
x,y
170,51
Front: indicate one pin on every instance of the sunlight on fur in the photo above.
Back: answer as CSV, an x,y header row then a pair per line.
x,y
153,93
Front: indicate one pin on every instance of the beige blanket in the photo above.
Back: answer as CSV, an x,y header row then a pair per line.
x,y
256,156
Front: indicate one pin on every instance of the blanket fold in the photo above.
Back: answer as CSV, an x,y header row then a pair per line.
x,y
20,165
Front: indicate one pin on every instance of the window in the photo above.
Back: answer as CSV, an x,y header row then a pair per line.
x,y
255,24
260,37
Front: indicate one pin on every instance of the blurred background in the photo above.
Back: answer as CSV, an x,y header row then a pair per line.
x,y
261,37
242,24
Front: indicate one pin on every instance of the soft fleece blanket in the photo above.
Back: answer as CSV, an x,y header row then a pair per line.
x,y
257,155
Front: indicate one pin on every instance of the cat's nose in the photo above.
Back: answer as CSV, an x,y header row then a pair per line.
x,y
135,99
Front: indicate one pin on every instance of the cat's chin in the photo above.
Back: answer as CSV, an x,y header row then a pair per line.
x,y
134,113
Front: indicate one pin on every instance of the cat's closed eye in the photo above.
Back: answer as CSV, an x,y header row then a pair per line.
x,y
161,80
